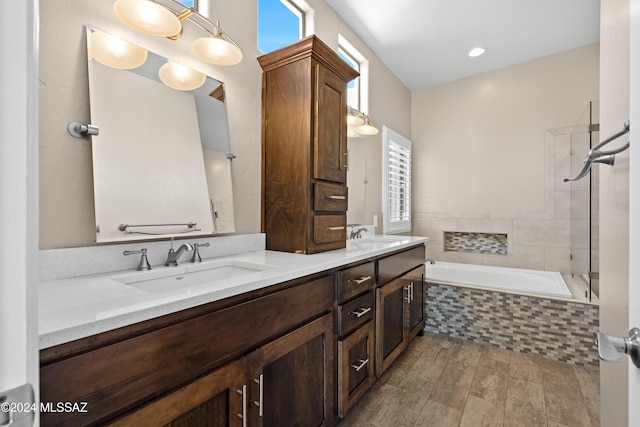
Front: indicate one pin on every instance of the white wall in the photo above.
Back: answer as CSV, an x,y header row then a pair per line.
x,y
614,207
483,161
66,188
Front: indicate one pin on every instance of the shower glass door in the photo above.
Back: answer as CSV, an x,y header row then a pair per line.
x,y
584,204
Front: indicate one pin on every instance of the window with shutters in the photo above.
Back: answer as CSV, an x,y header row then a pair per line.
x,y
396,182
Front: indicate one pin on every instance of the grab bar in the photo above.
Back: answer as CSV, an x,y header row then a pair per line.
x,y
598,156
124,227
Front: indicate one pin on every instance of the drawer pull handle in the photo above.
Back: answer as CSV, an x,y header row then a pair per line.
x,y
259,403
362,364
243,416
360,280
336,197
362,311
335,228
408,297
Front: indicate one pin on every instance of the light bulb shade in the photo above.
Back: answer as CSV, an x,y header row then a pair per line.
x,y
353,120
179,77
217,50
115,52
148,16
366,129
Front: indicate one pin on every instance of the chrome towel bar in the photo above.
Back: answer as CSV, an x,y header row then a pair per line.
x,y
598,156
125,228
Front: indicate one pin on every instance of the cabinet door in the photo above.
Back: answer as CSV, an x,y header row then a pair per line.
x,y
216,400
355,367
391,327
416,301
330,125
292,378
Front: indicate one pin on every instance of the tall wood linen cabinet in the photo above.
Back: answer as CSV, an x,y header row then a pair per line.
x,y
304,147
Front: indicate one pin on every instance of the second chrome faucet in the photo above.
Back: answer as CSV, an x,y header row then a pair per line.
x,y
174,256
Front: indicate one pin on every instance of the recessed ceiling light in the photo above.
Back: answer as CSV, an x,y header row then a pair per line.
x,y
476,51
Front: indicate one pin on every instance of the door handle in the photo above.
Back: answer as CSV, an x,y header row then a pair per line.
x,y
610,346
258,403
16,406
362,311
362,364
243,415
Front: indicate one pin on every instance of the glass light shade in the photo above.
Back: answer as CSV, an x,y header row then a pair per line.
x,y
148,17
476,51
115,52
179,77
366,129
354,120
217,50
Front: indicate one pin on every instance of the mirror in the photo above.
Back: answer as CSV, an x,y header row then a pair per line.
x,y
161,165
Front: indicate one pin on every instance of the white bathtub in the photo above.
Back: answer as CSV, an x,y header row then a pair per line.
x,y
536,282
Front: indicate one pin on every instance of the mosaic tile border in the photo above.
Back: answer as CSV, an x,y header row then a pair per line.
x,y
556,329
478,243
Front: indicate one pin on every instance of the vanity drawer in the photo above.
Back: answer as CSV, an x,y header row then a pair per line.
x,y
397,264
329,228
355,367
355,313
329,197
355,280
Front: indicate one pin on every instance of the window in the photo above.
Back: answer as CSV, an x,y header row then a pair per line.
x,y
190,3
356,88
280,23
396,182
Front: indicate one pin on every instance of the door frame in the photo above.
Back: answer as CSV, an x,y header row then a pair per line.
x,y
19,196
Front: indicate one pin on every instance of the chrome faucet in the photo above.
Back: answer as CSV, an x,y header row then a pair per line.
x,y
174,256
430,261
356,234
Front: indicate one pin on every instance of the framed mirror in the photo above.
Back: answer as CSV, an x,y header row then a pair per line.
x,y
161,161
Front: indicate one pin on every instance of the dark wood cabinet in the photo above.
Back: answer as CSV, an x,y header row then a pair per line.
x,y
304,124
215,400
288,375
195,365
356,312
400,305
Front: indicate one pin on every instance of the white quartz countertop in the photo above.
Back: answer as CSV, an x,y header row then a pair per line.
x,y
78,307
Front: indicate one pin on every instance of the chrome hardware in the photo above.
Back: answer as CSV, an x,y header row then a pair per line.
x,y
191,225
356,234
174,256
336,197
362,364
143,265
243,416
362,311
346,160
360,280
196,253
408,297
430,261
335,228
411,291
597,156
610,346
230,156
24,398
79,130
259,403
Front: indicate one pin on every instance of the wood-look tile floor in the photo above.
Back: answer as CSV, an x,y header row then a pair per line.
x,y
442,381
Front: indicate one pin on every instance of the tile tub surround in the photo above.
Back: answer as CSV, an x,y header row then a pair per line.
x,y
557,329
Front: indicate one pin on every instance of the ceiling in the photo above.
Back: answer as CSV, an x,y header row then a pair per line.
x,y
426,42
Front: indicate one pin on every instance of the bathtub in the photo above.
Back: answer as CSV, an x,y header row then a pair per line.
x,y
516,280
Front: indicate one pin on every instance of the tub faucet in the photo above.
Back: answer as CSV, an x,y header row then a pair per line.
x,y
430,261
174,256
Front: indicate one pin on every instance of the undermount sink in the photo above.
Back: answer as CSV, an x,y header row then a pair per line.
x,y
183,277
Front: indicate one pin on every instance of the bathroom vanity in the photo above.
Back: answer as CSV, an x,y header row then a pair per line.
x,y
293,343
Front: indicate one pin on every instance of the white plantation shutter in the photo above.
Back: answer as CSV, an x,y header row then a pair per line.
x,y
396,185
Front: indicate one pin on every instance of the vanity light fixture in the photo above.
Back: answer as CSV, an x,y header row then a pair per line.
x,y
362,123
165,18
115,52
180,77
476,51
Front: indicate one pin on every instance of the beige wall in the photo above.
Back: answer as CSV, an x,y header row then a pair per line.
x,y
614,207
66,188
484,160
